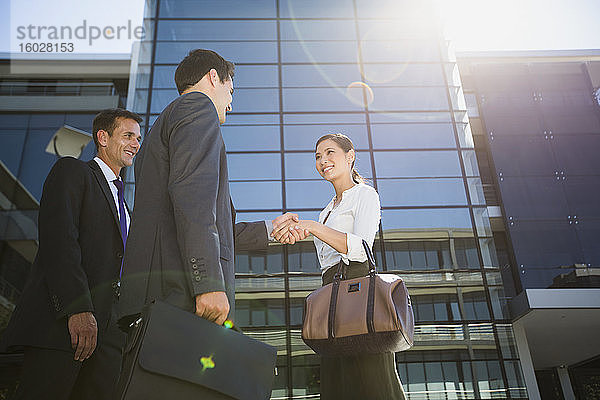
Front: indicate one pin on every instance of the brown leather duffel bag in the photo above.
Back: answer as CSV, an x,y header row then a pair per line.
x,y
371,314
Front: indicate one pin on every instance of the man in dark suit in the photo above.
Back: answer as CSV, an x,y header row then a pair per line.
x,y
65,321
182,239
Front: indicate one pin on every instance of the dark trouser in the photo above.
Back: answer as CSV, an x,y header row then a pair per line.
x,y
369,376
54,374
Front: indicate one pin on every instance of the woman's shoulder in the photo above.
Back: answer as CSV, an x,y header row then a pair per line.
x,y
363,189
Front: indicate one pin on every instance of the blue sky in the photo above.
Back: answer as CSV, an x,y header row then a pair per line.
x,y
472,25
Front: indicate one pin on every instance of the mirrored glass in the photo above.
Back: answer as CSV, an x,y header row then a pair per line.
x,y
259,195
470,161
304,137
403,74
208,9
402,117
319,52
221,30
415,136
397,99
319,75
465,137
11,148
256,100
248,52
397,51
421,192
322,99
161,98
534,197
305,30
324,118
442,223
254,166
308,194
36,163
476,191
392,164
250,138
316,8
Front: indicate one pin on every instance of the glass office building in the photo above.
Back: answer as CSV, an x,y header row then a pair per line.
x,y
535,118
381,73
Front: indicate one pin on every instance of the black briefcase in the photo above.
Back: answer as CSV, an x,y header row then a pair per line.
x,y
173,354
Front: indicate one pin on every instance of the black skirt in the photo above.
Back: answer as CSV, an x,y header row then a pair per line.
x,y
364,377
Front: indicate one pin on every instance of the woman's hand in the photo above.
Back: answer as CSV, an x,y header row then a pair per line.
x,y
291,231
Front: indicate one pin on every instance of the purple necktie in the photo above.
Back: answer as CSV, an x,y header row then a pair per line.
x,y
122,216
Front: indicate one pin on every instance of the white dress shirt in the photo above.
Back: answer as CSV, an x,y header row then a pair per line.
x,y
110,176
357,215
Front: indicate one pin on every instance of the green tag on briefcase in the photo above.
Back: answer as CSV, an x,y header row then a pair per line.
x,y
173,354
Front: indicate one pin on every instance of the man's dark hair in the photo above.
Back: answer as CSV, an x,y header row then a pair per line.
x,y
197,64
107,120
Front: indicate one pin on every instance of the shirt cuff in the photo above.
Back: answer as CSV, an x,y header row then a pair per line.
x,y
356,251
269,226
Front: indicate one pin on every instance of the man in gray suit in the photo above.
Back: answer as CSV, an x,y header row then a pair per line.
x,y
181,243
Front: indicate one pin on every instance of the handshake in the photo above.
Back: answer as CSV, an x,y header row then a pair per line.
x,y
288,228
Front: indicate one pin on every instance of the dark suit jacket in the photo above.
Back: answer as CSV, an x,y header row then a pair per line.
x,y
181,241
79,256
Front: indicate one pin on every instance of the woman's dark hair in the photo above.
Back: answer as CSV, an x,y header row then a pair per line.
x,y
346,145
197,64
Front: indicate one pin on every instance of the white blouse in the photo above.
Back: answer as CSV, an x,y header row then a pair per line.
x,y
357,215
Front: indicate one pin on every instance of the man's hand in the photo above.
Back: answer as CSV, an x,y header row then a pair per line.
x,y
286,229
212,306
84,334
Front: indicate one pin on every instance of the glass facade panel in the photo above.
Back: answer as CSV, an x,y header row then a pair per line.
x,y
424,192
409,164
412,136
304,137
250,52
251,138
217,30
208,9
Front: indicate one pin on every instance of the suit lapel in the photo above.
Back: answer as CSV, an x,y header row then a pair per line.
x,y
105,189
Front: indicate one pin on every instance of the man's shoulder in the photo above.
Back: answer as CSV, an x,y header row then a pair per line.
x,y
70,164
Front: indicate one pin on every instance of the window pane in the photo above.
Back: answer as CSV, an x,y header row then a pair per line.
x,y
255,100
407,136
392,99
250,138
315,52
317,30
403,74
322,99
209,9
319,75
316,8
399,51
417,163
422,192
254,166
261,195
308,194
304,137
249,52
440,221
221,30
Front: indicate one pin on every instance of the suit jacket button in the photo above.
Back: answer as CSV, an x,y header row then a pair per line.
x,y
119,255
193,260
197,278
